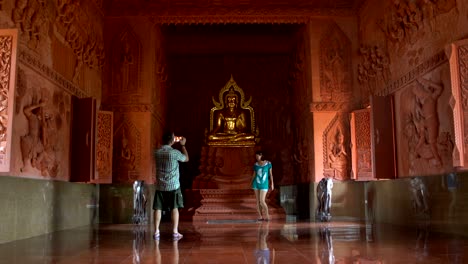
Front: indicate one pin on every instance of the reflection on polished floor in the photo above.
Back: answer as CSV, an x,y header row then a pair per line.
x,y
241,242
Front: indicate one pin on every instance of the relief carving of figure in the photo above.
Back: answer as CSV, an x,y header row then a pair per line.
x,y
373,71
126,61
336,70
40,145
18,12
428,12
301,158
426,118
67,9
32,143
126,154
338,157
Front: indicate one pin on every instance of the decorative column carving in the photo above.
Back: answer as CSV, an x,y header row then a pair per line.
x,y
104,146
8,49
361,145
458,58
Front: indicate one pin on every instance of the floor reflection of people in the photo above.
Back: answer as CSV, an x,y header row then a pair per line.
x,y
262,253
170,257
139,242
420,197
422,241
326,252
450,182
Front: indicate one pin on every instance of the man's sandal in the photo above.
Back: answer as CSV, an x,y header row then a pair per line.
x,y
177,236
156,235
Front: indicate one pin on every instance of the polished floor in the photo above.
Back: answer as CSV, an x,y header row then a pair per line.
x,y
241,242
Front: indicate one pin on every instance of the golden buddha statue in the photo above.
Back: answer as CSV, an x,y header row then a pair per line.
x,y
232,120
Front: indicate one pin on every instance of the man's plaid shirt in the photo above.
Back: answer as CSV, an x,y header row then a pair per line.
x,y
167,168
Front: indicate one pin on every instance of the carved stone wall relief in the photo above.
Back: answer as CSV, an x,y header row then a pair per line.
x,y
373,69
66,36
426,130
47,124
335,65
80,42
424,67
30,18
301,153
404,24
126,65
337,153
127,152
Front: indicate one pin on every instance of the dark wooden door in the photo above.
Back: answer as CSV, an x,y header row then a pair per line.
x,y
83,135
383,137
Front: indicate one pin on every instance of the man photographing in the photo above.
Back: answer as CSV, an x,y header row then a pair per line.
x,y
168,195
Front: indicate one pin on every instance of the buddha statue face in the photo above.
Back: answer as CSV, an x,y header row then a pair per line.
x,y
231,101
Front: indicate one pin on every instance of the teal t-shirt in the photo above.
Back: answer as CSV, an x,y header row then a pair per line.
x,y
262,174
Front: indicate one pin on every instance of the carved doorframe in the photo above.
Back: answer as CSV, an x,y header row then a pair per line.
x,y
458,60
8,55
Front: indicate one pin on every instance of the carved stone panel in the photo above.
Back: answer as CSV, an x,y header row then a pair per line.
x,y
335,65
336,153
8,49
127,152
126,65
32,21
361,145
407,21
43,129
104,146
373,69
425,125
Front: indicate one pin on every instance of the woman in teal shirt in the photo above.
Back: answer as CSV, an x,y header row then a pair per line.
x,y
262,172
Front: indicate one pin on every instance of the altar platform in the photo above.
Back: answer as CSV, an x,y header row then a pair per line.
x,y
222,190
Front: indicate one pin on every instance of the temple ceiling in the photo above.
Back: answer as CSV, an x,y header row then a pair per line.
x,y
230,11
230,38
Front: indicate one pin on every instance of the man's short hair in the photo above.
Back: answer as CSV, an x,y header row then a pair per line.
x,y
167,137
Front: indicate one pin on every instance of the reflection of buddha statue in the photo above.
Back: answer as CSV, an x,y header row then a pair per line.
x,y
232,120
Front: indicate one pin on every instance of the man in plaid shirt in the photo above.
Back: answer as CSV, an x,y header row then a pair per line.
x,y
168,195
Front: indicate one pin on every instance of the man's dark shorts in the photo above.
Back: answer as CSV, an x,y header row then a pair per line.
x,y
168,200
